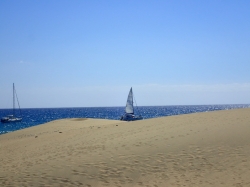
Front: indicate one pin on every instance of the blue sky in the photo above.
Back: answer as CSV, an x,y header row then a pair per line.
x,y
89,53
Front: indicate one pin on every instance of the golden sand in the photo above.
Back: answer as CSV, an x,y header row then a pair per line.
x,y
201,149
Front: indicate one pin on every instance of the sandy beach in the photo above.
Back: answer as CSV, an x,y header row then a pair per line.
x,y
200,149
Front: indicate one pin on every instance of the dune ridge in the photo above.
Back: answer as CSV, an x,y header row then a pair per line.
x,y
200,149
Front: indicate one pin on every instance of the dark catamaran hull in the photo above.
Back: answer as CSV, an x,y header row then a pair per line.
x,y
130,117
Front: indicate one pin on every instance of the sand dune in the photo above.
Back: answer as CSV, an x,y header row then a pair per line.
x,y
201,149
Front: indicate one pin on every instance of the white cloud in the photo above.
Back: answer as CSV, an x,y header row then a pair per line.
x,y
156,94
196,88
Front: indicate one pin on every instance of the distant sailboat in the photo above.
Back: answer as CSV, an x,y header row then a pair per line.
x,y
12,118
129,110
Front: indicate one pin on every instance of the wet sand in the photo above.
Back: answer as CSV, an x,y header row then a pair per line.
x,y
200,149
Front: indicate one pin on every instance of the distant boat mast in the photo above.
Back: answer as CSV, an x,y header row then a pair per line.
x,y
13,99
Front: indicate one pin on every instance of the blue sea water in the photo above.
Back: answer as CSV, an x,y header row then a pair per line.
x,y
37,116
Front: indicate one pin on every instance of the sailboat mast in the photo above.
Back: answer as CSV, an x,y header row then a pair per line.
x,y
13,99
132,99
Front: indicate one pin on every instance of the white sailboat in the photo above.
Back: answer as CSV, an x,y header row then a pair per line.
x,y
129,110
12,118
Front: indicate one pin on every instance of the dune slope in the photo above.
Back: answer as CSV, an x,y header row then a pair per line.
x,y
201,149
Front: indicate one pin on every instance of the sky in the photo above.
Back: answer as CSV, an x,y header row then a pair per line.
x,y
83,53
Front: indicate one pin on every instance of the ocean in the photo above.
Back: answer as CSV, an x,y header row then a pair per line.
x,y
37,116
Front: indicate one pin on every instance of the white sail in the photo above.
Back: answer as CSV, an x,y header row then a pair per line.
x,y
129,106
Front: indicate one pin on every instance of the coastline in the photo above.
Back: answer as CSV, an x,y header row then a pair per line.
x,y
37,116
198,149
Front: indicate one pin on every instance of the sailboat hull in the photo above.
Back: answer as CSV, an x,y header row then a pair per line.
x,y
10,119
130,117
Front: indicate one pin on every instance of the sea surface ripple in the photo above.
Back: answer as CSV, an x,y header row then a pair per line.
x,y
37,116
